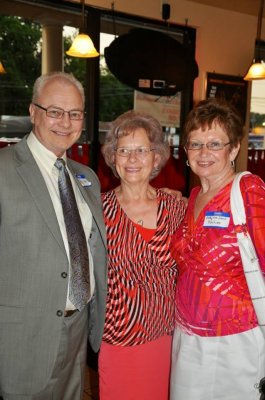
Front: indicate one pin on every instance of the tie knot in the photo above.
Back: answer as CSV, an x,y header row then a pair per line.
x,y
59,163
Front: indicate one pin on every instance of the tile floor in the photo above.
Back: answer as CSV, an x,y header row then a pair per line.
x,y
91,385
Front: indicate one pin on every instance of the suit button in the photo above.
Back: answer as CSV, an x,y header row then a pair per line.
x,y
64,274
59,313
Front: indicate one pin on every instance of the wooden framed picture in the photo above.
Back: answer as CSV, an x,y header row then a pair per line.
x,y
230,88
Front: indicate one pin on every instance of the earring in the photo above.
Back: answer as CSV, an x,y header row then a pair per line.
x,y
233,163
187,163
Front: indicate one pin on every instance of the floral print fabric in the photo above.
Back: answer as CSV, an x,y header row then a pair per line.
x,y
212,296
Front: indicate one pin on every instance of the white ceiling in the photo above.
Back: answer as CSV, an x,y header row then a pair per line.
x,y
10,7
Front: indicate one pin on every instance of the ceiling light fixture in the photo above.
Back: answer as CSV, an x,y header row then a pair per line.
x,y
82,45
257,69
2,69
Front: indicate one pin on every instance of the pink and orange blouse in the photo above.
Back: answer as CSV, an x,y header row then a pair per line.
x,y
212,297
141,273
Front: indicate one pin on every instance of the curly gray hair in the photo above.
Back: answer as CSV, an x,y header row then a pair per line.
x,y
126,124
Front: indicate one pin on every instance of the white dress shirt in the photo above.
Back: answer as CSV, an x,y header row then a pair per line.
x,y
45,160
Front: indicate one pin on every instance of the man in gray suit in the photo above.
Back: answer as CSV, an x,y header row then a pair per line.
x,y
43,336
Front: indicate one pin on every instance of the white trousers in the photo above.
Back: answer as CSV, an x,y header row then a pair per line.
x,y
217,368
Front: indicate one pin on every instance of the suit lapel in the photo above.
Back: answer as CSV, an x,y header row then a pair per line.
x,y
91,200
32,178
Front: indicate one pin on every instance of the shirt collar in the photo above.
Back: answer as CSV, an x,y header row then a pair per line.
x,y
44,156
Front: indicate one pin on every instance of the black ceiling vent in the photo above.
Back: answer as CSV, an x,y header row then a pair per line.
x,y
151,62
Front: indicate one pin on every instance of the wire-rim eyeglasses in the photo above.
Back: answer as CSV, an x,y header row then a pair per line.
x,y
213,146
58,113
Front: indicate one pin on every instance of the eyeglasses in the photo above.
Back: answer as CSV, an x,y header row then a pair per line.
x,y
58,113
139,152
214,146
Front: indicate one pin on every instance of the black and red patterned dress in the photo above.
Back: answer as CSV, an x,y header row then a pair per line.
x,y
140,304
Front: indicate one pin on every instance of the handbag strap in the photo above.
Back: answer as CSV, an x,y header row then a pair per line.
x,y
253,274
250,261
237,203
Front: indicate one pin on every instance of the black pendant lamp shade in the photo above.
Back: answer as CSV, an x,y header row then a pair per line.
x,y
151,62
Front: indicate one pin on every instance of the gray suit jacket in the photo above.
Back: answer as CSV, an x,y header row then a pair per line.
x,y
33,287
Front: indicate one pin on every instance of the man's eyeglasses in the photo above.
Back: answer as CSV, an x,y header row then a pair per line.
x,y
214,146
58,113
139,152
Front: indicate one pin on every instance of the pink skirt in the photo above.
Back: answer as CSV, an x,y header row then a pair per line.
x,y
135,372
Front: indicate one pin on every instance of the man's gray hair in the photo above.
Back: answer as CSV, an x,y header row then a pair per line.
x,y
58,76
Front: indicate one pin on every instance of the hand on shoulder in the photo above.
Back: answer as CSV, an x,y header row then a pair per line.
x,y
176,193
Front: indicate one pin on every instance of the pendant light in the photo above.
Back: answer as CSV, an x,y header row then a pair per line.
x,y
2,69
257,69
82,45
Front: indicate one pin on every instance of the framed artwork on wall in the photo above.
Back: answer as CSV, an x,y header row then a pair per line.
x,y
230,88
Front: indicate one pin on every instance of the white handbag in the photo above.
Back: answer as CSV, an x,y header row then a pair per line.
x,y
250,261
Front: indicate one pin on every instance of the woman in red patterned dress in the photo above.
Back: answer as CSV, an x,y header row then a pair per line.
x,y
134,360
218,348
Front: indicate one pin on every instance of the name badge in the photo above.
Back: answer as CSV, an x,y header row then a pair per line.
x,y
84,182
216,219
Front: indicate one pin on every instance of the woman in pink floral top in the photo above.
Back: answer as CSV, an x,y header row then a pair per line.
x,y
218,350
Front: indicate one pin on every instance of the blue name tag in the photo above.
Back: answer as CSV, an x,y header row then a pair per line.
x,y
216,219
84,182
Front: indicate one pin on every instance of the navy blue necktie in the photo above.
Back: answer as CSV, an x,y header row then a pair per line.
x,y
79,288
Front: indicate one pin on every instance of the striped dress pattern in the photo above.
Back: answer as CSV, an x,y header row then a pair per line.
x,y
141,274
